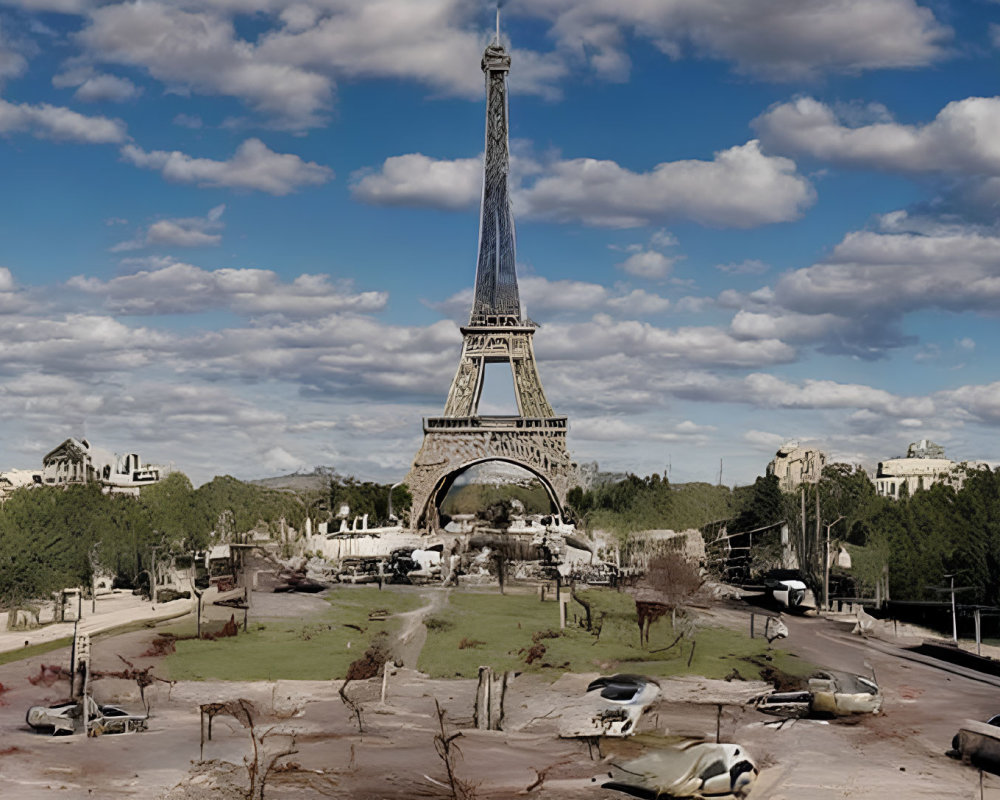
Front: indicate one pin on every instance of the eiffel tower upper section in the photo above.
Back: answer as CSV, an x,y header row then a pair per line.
x,y
498,330
496,299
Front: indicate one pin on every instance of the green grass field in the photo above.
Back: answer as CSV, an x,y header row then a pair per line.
x,y
490,629
318,648
34,650
473,629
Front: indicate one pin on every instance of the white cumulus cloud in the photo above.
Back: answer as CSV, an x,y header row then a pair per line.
x,y
57,122
173,287
183,232
778,40
741,187
960,139
253,167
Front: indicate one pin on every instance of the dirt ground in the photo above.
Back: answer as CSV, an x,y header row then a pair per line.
x,y
900,753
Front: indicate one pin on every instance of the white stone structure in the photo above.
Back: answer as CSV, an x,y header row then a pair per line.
x,y
923,466
794,465
14,479
77,461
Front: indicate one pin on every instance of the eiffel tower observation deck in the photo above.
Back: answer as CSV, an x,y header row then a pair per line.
x,y
498,332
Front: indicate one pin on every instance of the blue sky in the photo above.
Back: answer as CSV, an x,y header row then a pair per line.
x,y
239,235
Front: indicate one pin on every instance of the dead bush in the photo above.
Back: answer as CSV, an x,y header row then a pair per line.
x,y
535,652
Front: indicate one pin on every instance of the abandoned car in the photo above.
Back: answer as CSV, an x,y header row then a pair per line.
x,y
357,569
66,718
788,590
827,694
690,769
612,706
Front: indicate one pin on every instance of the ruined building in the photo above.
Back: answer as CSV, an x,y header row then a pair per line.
x,y
498,332
77,461
14,479
794,465
925,464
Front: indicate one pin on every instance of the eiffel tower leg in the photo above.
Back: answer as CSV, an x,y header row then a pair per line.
x,y
463,399
531,398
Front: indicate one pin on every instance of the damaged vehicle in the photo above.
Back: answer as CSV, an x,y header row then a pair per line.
x,y
599,574
827,694
612,706
978,743
410,565
788,590
689,769
65,718
356,569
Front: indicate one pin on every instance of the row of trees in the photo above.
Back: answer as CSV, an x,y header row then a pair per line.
x,y
54,537
650,503
367,497
915,541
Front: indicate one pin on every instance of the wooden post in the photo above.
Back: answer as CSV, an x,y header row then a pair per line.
x,y
201,720
752,615
385,681
563,602
481,713
718,720
490,694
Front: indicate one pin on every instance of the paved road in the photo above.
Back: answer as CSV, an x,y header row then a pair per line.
x,y
113,611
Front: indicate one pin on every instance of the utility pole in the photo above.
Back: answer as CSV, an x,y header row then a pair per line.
x,y
818,522
152,573
194,587
952,590
802,537
826,570
954,620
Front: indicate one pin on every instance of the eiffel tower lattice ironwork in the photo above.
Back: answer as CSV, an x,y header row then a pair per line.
x,y
498,331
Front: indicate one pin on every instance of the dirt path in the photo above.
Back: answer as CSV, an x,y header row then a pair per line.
x,y
412,636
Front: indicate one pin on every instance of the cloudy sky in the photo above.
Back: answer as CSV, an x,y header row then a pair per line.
x,y
239,235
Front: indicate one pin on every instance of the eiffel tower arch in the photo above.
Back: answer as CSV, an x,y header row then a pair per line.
x,y
498,332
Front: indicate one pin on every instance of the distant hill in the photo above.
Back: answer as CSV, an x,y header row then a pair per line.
x,y
317,480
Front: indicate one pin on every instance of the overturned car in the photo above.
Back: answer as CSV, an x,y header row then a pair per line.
x,y
689,769
827,694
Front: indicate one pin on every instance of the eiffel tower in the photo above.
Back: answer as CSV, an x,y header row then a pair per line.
x,y
498,332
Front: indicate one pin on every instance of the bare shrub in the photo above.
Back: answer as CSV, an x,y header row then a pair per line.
x,y
370,665
671,582
448,752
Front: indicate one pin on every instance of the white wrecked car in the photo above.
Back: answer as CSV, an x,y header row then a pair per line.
x,y
788,590
827,694
66,718
689,769
612,706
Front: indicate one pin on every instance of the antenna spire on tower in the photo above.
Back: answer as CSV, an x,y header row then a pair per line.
x,y
498,23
